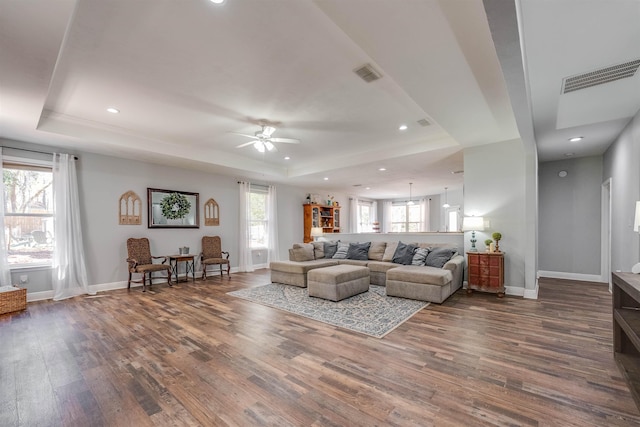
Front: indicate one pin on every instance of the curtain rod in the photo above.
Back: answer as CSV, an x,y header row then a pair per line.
x,y
33,151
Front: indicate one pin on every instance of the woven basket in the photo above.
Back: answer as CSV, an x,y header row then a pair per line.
x,y
13,301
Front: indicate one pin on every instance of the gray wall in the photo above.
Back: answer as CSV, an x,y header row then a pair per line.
x,y
569,213
621,164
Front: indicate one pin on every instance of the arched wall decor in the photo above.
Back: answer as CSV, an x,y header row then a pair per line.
x,y
211,213
130,207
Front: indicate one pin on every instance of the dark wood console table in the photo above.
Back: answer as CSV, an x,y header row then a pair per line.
x,y
189,265
626,329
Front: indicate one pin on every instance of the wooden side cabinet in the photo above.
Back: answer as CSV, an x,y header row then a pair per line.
x,y
327,217
486,272
626,329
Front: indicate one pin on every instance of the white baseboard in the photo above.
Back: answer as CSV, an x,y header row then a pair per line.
x,y
571,276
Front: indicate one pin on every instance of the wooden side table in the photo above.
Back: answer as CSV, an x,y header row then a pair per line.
x,y
189,261
486,272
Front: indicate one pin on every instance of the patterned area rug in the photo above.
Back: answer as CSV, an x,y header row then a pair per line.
x,y
372,313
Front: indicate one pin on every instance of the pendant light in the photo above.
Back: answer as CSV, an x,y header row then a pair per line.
x,y
446,202
410,202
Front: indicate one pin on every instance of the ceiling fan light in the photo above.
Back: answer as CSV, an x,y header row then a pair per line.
x,y
269,145
259,145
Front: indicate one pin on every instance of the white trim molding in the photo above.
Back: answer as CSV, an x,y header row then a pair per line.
x,y
571,276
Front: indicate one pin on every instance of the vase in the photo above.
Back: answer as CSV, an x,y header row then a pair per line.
x,y
492,247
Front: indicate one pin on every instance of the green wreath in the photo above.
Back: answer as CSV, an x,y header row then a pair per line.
x,y
175,206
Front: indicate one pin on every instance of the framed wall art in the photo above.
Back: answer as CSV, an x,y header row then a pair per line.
x,y
173,209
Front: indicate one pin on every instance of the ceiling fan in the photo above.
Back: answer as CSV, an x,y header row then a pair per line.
x,y
264,141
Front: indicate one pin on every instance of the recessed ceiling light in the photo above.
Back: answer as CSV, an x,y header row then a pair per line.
x,y
568,154
325,178
113,110
217,1
368,188
382,169
403,127
576,138
287,158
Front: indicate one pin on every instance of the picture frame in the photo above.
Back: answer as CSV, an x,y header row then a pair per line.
x,y
172,209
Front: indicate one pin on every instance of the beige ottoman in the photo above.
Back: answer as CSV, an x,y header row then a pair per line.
x,y
338,282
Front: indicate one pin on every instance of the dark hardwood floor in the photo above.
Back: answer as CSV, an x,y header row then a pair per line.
x,y
192,355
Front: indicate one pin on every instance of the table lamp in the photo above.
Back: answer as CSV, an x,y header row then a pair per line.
x,y
316,232
473,224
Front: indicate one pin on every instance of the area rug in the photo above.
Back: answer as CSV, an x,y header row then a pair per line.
x,y
371,313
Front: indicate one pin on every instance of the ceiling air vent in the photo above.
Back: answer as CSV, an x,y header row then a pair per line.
x,y
424,122
367,73
601,76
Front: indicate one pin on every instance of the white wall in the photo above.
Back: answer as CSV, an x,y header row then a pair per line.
x,y
621,164
570,218
495,187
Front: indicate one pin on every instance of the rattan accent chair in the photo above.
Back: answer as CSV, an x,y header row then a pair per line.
x,y
212,254
140,261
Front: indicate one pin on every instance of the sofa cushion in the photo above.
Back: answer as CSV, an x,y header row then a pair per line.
x,y
381,266
376,250
358,251
303,267
420,256
403,254
330,249
341,253
301,252
389,251
318,250
422,275
439,256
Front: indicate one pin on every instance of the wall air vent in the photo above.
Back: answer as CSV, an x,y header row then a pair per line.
x,y
601,76
424,122
368,73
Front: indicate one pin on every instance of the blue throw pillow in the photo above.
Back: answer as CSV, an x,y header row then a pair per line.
x,y
330,249
404,254
358,251
438,257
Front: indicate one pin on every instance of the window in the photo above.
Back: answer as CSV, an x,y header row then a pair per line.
x,y
258,221
453,219
405,218
365,215
28,210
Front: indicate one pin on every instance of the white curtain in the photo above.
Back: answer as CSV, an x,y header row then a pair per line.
x,y
374,212
69,270
425,207
387,206
272,224
5,272
354,223
245,262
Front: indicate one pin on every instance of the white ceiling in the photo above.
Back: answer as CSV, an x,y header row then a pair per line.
x,y
185,74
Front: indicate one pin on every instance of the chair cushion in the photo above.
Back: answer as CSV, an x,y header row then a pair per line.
x,y
150,267
215,261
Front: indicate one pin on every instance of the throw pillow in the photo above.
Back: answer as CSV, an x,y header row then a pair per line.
x,y
420,256
358,251
438,257
389,251
302,252
318,250
341,253
376,250
330,249
404,254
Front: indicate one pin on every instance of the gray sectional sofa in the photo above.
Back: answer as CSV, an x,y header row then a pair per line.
x,y
398,266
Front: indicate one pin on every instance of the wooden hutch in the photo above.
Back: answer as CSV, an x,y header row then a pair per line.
x,y
327,217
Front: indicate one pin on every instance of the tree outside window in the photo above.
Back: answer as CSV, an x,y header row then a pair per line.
x,y
405,218
28,210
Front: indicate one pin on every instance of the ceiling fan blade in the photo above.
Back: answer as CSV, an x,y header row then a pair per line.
x,y
285,140
245,144
270,146
268,130
244,134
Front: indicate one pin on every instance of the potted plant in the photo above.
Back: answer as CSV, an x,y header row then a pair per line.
x,y
497,236
488,243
